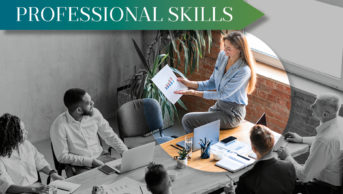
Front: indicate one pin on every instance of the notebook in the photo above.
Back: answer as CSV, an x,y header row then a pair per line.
x,y
64,187
234,162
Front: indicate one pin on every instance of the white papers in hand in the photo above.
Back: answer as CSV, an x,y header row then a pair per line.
x,y
166,81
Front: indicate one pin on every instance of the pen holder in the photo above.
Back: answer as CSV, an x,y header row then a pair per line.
x,y
205,153
205,149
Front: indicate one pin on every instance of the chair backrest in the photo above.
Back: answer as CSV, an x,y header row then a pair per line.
x,y
340,113
59,166
138,117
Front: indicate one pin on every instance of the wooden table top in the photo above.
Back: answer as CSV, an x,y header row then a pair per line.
x,y
241,132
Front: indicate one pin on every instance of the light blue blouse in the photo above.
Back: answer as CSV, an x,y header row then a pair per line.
x,y
231,86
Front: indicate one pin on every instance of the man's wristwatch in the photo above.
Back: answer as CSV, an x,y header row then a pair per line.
x,y
52,172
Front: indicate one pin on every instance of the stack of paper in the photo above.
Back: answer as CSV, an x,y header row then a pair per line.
x,y
124,186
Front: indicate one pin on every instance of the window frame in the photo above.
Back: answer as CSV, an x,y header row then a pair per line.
x,y
299,70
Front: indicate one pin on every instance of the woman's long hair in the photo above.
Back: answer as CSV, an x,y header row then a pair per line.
x,y
239,41
10,134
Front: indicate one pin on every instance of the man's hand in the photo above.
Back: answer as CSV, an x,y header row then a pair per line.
x,y
283,153
229,188
39,188
97,163
55,176
293,137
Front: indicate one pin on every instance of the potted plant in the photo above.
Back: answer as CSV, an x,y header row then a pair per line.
x,y
168,47
182,158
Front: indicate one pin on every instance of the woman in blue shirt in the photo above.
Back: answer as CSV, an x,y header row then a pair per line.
x,y
232,79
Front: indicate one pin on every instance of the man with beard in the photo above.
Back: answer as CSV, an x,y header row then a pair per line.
x,y
75,134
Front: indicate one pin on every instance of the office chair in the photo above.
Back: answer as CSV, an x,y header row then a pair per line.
x,y
262,120
59,166
138,120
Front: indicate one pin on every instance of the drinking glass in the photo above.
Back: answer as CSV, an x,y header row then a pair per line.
x,y
188,145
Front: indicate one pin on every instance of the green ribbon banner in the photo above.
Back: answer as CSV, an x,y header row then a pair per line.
x,y
126,15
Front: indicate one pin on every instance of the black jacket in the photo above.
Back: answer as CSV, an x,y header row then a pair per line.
x,y
268,176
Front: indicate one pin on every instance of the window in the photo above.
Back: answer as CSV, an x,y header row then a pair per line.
x,y
309,43
262,52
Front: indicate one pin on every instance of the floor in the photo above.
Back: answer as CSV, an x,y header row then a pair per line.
x,y
45,148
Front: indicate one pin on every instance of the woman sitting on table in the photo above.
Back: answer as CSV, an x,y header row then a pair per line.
x,y
232,79
19,159
269,175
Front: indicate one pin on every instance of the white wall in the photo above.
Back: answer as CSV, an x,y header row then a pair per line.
x,y
36,67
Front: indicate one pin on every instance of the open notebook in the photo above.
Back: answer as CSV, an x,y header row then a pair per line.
x,y
234,155
64,187
234,162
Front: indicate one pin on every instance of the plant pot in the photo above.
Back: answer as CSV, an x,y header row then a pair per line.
x,y
181,163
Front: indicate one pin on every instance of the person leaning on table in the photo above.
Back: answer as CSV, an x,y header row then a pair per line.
x,y
232,79
19,159
269,175
322,171
75,134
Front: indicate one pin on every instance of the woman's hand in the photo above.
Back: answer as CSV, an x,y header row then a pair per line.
x,y
39,188
186,82
55,176
189,93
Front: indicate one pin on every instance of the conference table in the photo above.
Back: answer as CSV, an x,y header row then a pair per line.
x,y
200,176
242,134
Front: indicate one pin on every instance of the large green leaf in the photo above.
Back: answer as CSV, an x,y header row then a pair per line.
x,y
209,40
182,104
185,49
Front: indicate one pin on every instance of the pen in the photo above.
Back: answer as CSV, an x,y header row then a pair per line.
x,y
176,147
140,187
243,157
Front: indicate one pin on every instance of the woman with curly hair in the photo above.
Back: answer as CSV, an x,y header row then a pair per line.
x,y
20,160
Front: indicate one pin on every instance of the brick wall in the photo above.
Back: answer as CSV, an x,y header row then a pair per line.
x,y
273,98
301,120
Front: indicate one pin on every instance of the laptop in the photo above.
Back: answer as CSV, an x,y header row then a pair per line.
x,y
209,130
135,158
262,120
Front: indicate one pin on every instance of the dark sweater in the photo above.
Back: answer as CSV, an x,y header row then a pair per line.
x,y
268,176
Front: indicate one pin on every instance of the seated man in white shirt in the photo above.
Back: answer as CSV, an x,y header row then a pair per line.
x,y
74,134
19,160
321,172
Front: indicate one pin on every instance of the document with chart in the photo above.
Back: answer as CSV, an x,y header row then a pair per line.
x,y
167,82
